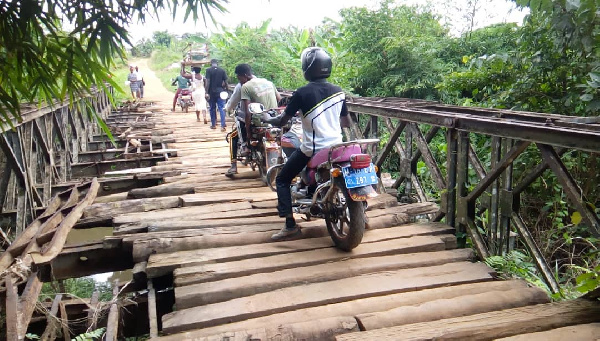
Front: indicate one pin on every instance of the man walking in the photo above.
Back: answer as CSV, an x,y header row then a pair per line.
x,y
216,83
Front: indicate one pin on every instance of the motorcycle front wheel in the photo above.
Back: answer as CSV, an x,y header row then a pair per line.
x,y
345,219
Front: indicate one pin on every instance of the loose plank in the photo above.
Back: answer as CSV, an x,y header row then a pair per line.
x,y
376,248
492,325
160,264
223,290
351,308
453,307
582,332
315,294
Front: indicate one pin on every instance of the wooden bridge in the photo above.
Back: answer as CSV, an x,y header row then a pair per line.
x,y
197,244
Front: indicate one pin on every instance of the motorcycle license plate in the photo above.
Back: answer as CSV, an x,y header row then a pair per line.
x,y
359,177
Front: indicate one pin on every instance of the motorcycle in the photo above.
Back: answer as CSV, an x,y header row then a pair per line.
x,y
264,150
184,99
335,186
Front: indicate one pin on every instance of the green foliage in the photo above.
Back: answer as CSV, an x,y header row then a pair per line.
x,y
142,49
40,62
80,287
516,264
393,50
555,67
162,38
589,280
271,56
91,336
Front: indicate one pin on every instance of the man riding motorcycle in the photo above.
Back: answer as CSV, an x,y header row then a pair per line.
x,y
253,90
322,106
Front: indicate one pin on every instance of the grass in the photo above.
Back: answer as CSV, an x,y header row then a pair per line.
x,y
120,76
160,63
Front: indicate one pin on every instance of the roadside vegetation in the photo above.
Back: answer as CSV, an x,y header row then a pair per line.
x,y
549,64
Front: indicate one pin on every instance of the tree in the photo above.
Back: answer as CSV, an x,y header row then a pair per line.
x,y
393,50
41,62
162,38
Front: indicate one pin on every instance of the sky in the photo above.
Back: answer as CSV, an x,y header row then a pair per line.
x,y
310,13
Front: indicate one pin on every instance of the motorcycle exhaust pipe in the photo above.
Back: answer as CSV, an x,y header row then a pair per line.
x,y
319,189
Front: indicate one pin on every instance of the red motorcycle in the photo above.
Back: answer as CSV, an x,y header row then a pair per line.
x,y
184,99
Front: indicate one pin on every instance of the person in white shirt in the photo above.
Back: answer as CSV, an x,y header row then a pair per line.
x,y
140,80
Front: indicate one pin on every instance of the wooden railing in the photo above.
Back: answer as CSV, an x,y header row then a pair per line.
x,y
486,210
38,154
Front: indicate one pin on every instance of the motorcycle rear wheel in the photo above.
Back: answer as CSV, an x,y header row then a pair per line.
x,y
185,109
345,220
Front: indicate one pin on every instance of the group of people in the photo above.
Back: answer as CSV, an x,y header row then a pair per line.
x,y
136,82
205,89
321,107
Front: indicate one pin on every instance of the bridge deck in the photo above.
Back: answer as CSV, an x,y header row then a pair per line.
x,y
231,283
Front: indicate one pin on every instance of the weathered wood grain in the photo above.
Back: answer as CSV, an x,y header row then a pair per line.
x,y
491,325
226,289
316,294
351,308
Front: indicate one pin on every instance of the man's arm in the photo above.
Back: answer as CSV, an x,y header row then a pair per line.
x,y
236,97
245,103
277,95
207,77
345,121
224,81
185,74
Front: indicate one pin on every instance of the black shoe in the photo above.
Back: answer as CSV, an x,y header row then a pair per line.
x,y
286,233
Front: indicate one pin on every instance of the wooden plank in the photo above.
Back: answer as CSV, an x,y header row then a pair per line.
x,y
351,308
453,307
93,307
323,329
160,264
218,271
152,311
112,324
51,321
12,307
27,302
179,213
210,198
7,257
226,289
52,249
65,321
492,325
311,295
145,245
582,332
112,209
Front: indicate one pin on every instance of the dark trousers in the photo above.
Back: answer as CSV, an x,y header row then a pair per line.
x,y
233,142
294,165
215,101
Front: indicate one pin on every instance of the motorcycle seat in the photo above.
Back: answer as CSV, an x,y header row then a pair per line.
x,y
340,154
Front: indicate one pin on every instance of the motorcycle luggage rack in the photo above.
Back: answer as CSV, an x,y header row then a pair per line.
x,y
360,142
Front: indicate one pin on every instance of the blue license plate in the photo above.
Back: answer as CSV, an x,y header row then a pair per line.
x,y
359,177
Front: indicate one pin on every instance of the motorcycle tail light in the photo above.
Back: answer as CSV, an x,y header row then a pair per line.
x,y
359,161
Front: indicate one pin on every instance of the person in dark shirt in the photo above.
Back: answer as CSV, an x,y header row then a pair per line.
x,y
323,111
216,83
